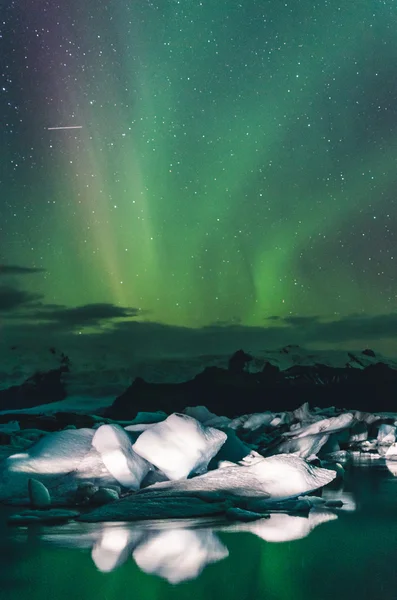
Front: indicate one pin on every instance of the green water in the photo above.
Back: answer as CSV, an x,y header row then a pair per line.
x,y
353,556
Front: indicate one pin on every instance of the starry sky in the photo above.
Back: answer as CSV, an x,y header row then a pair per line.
x,y
231,164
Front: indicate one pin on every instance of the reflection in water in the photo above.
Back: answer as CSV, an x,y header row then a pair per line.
x,y
347,498
81,560
114,547
177,553
180,554
285,528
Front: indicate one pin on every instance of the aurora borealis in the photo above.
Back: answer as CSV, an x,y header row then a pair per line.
x,y
237,161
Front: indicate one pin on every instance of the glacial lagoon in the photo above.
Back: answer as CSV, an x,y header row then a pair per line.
x,y
340,554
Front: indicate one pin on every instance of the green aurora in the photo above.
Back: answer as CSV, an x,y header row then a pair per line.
x,y
236,161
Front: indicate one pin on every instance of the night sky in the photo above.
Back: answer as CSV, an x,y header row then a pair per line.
x,y
234,165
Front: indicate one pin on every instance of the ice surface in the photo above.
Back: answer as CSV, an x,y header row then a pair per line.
x,y
391,453
114,446
331,425
180,554
255,478
303,446
179,446
303,414
54,456
256,420
386,434
64,459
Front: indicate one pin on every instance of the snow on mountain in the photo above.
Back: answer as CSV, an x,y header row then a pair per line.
x,y
108,374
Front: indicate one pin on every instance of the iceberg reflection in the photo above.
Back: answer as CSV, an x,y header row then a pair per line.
x,y
177,552
180,554
114,547
281,527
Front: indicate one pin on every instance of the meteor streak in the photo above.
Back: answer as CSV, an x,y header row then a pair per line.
x,y
69,127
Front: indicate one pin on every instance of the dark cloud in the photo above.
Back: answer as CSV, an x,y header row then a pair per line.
x,y
227,323
151,338
352,327
117,328
18,270
273,318
299,321
12,299
88,315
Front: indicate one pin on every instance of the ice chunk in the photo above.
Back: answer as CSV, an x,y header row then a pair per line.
x,y
54,456
304,415
285,476
104,496
180,554
386,434
38,494
200,413
365,417
56,453
392,466
218,422
303,447
391,453
114,446
347,498
323,426
255,478
137,429
64,460
256,420
180,445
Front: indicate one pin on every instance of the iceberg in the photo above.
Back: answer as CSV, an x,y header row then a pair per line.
x,y
386,434
255,421
179,446
302,446
114,447
254,479
324,426
54,456
277,477
64,460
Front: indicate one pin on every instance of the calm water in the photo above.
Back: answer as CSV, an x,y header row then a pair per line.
x,y
351,556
